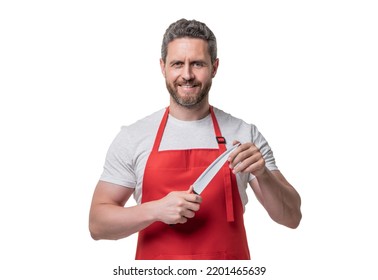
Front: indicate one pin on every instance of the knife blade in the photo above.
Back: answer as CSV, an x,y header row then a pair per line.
x,y
204,179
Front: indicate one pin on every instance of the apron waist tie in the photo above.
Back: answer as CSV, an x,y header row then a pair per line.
x,y
226,170
228,193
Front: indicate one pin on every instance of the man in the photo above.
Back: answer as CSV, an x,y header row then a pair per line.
x,y
158,158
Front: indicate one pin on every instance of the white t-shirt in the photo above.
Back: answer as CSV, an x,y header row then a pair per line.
x,y
127,156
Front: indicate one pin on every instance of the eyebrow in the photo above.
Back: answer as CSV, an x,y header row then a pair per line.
x,y
192,62
175,61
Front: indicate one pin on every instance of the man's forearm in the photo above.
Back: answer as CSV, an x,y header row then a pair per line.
x,y
114,222
280,199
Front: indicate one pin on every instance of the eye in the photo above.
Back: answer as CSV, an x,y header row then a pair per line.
x,y
198,64
177,64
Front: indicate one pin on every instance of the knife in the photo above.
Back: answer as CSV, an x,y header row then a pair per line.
x,y
204,179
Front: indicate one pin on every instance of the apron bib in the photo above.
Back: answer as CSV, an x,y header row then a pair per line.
x,y
217,231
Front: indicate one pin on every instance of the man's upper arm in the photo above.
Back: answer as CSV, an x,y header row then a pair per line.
x,y
109,193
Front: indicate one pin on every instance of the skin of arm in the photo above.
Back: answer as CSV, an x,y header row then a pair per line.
x,y
109,219
279,198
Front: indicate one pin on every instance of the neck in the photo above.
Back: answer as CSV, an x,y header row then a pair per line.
x,y
194,113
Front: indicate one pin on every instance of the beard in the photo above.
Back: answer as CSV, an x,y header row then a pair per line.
x,y
188,100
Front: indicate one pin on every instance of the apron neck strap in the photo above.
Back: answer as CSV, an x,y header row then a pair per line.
x,y
218,135
160,131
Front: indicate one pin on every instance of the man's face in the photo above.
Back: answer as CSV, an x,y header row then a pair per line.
x,y
188,71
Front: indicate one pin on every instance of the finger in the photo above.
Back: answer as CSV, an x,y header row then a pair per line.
x,y
188,214
187,201
188,209
245,160
180,217
255,167
182,220
193,196
243,155
234,153
246,151
193,206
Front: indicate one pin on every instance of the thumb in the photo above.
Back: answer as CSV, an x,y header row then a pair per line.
x,y
235,142
190,190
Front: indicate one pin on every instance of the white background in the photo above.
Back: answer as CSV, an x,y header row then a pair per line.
x,y
73,72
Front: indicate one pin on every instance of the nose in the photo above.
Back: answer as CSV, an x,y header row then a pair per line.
x,y
187,73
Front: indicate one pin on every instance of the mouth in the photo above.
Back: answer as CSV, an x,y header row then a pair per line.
x,y
188,88
188,85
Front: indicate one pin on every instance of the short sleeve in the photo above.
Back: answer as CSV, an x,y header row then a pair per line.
x,y
259,140
118,167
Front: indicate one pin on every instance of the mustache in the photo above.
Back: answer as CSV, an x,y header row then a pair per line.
x,y
188,83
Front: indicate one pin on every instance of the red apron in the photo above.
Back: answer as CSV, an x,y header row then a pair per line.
x,y
217,231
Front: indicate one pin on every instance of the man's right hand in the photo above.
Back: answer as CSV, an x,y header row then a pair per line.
x,y
177,207
109,219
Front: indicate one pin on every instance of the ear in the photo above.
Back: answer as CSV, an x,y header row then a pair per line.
x,y
215,67
162,67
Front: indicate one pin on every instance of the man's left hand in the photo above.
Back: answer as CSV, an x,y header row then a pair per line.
x,y
247,158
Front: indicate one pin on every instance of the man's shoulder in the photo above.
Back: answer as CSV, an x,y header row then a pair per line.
x,y
228,119
236,127
139,131
145,124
